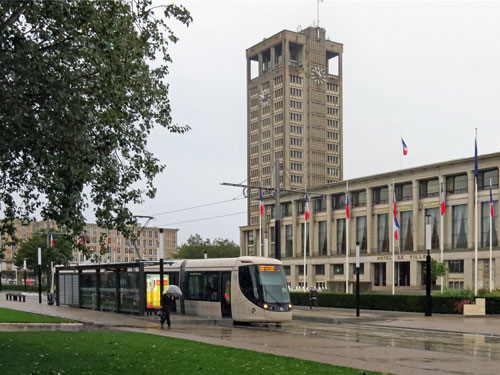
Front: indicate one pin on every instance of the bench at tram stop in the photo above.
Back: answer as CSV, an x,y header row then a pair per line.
x,y
20,297
477,308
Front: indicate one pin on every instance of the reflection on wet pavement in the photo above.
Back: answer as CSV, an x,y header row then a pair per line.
x,y
334,335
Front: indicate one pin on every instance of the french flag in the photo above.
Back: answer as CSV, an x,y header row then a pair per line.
x,y
443,201
347,211
51,240
307,213
395,213
261,203
405,147
396,227
492,212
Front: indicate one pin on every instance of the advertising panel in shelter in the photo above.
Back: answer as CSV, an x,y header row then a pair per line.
x,y
153,297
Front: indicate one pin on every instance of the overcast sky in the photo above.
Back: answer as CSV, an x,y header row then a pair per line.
x,y
428,71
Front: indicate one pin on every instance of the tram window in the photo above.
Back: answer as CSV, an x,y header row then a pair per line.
x,y
247,276
203,286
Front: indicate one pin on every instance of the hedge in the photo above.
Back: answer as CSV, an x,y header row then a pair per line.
x,y
29,288
389,302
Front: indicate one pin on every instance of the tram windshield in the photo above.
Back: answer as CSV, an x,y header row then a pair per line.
x,y
274,285
264,283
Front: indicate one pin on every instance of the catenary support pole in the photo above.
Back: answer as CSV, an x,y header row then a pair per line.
x,y
357,278
428,237
277,223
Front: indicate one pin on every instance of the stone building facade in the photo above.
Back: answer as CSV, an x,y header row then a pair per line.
x,y
417,193
294,112
116,247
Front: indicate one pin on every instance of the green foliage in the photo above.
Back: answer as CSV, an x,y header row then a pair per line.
x,y
60,253
20,287
135,353
438,269
15,316
78,99
466,294
389,302
195,248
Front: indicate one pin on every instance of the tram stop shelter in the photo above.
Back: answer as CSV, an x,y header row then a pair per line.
x,y
120,287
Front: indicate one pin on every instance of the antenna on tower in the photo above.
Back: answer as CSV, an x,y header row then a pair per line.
x,y
317,12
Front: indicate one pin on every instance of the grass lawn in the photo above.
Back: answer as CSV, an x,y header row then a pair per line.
x,y
135,353
15,316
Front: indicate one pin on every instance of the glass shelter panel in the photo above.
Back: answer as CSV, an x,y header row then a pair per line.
x,y
108,291
129,292
88,290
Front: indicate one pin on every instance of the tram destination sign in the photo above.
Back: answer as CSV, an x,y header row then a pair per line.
x,y
269,268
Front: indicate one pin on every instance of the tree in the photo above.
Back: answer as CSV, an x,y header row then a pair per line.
x,y
60,253
79,96
195,248
437,269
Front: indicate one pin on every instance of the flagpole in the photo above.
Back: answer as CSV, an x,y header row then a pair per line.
x,y
491,240
393,242
441,237
475,220
305,247
260,234
346,271
305,240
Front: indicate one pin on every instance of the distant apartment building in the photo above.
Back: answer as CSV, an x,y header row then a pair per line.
x,y
116,247
294,112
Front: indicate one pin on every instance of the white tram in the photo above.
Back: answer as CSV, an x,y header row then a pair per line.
x,y
246,289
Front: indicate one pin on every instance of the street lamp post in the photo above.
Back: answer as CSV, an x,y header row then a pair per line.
x,y
357,278
39,275
24,268
428,236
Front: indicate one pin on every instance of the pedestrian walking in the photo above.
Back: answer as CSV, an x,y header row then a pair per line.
x,y
313,298
166,308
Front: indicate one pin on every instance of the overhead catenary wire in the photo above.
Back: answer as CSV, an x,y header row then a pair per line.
x,y
199,206
205,218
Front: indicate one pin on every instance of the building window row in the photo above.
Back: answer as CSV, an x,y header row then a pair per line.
x,y
332,123
332,99
333,87
297,117
295,179
295,104
295,80
295,92
296,141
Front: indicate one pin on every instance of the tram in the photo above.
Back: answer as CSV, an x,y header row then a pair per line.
x,y
245,289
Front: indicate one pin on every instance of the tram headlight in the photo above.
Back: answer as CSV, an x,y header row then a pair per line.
x,y
289,306
265,306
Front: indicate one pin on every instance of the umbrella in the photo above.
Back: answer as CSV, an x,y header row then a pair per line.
x,y
174,290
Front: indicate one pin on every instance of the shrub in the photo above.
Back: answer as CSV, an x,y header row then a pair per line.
x,y
398,302
29,288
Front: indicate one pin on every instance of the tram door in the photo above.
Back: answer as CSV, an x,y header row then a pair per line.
x,y
226,294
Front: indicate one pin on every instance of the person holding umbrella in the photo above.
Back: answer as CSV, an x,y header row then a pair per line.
x,y
167,300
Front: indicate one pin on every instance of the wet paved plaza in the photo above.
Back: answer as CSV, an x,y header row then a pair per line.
x,y
397,343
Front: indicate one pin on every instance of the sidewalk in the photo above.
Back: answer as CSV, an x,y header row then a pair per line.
x,y
483,325
487,326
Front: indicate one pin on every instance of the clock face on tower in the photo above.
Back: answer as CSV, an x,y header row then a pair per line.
x,y
318,74
264,97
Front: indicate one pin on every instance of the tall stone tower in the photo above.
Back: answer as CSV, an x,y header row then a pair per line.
x,y
294,112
